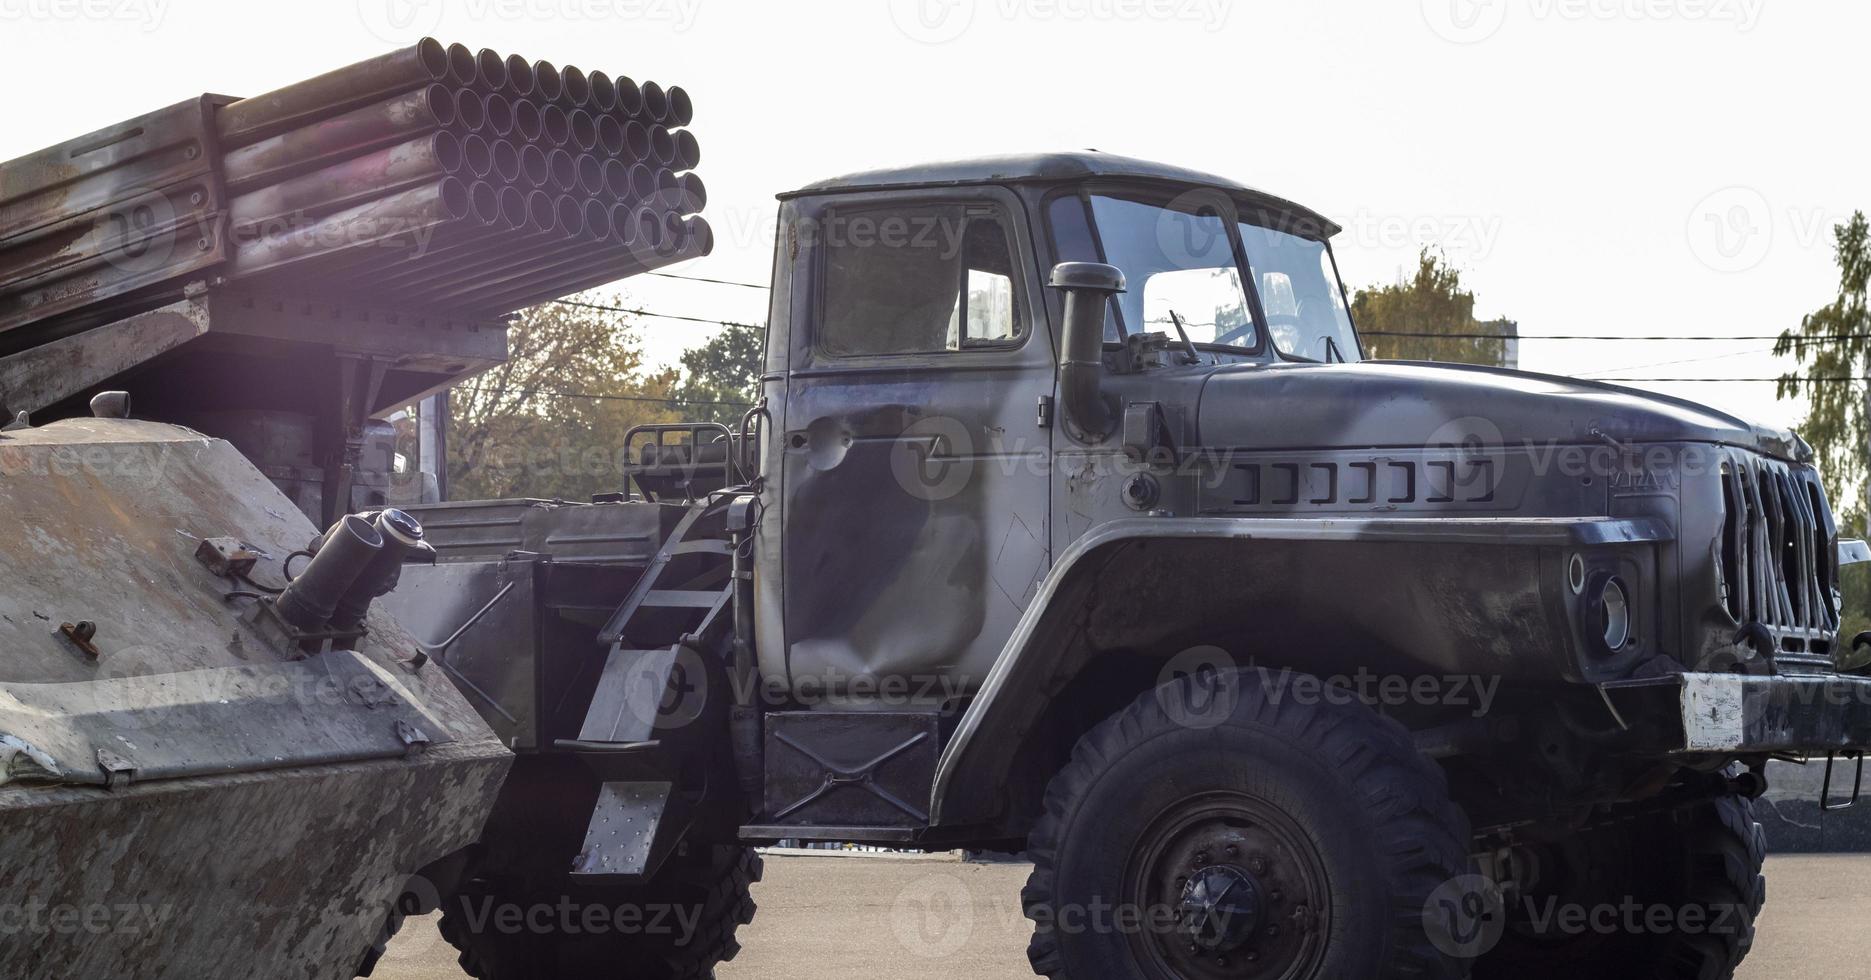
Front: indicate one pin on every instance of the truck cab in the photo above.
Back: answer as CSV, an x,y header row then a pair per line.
x,y
1074,520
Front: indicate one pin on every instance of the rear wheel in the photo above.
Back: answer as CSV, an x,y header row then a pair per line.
x,y
1211,830
679,926
1668,896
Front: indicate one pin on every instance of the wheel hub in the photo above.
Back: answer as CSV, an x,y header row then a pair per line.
x,y
1221,909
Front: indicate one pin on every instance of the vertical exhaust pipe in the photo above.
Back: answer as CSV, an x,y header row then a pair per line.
x,y
1088,288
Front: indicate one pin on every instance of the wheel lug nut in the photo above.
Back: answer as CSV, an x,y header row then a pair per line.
x,y
1258,866
1273,931
1275,896
1233,851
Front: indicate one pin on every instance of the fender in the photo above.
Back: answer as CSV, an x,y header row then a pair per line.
x,y
978,759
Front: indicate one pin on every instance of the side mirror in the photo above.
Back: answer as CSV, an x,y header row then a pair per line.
x,y
1088,288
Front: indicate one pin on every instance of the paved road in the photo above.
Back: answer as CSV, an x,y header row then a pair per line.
x,y
839,917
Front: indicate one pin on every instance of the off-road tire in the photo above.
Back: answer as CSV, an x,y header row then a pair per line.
x,y
1699,864
1376,811
711,886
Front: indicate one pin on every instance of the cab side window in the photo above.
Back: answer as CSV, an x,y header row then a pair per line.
x,y
919,279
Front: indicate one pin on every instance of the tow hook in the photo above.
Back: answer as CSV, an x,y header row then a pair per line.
x,y
1751,785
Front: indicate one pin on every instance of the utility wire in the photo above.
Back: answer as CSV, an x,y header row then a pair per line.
x,y
549,393
1796,341
1840,380
660,316
1496,336
1597,373
718,282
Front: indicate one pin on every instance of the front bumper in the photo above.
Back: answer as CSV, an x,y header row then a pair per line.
x,y
1735,714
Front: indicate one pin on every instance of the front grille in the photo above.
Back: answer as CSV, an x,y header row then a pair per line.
x,y
1778,566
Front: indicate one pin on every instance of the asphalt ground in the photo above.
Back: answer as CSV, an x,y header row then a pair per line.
x,y
859,917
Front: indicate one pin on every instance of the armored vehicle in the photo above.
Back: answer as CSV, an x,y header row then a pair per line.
x,y
202,775
1073,519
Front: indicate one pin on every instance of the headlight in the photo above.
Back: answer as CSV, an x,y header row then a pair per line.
x,y
1615,613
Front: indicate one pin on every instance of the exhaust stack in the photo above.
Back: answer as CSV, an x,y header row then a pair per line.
x,y
1088,288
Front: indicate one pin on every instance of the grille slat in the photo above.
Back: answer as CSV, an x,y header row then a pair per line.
x,y
1774,564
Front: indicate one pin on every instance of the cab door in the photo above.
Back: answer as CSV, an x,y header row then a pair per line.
x,y
914,465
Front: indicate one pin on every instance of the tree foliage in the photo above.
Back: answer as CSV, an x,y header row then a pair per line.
x,y
550,421
721,379
1832,343
1432,302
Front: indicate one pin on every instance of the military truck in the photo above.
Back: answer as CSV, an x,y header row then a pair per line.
x,y
1072,519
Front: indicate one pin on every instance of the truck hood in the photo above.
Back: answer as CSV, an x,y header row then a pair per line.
x,y
1412,404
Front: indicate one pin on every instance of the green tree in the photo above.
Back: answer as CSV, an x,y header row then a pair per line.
x,y
551,420
721,379
1407,320
1831,343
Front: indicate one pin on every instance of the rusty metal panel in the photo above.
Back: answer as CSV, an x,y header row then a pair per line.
x,y
109,213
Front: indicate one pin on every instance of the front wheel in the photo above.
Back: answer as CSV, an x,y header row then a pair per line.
x,y
1215,830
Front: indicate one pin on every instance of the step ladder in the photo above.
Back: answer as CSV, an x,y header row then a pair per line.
x,y
674,615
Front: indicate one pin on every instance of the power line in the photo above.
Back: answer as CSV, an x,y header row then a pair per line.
x,y
1598,373
549,393
718,282
1840,380
1495,336
660,316
1796,341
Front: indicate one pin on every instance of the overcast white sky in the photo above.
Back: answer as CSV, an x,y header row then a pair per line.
x,y
1593,166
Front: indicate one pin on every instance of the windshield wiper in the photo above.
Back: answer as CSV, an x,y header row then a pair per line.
x,y
1332,353
1187,345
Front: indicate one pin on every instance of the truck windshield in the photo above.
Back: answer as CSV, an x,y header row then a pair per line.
x,y
1175,262
1299,292
1178,260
